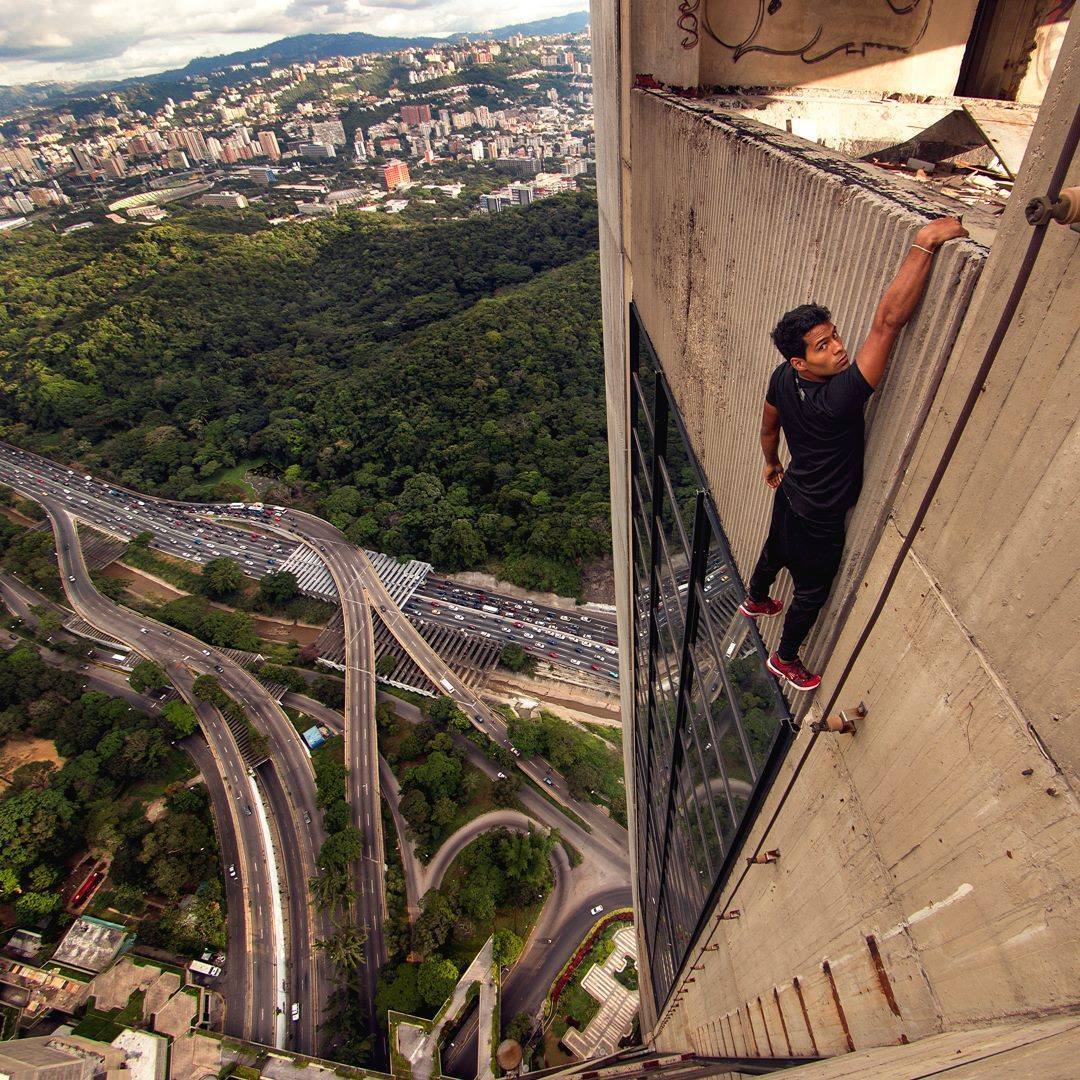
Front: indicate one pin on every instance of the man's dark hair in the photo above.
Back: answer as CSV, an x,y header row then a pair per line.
x,y
788,335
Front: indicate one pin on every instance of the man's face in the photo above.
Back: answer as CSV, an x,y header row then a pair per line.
x,y
825,354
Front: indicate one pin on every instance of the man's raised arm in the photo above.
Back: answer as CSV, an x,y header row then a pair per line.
x,y
903,295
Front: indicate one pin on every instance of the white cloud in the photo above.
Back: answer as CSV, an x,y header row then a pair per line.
x,y
72,40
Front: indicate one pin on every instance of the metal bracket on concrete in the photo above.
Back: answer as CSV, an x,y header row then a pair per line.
x,y
842,723
763,857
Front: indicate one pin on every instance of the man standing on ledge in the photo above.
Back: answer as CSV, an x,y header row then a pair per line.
x,y
817,396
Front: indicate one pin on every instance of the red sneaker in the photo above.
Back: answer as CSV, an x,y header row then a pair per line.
x,y
793,673
752,609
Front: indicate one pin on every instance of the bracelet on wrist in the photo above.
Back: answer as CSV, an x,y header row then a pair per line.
x,y
929,251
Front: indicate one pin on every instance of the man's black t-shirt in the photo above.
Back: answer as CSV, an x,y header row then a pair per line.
x,y
823,423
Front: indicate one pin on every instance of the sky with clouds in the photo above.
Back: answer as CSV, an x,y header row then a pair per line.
x,y
74,40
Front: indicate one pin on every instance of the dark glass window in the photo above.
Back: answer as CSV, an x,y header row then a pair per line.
x,y
710,724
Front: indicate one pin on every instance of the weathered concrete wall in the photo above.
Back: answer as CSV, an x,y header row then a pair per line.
x,y
1015,46
611,81
875,45
735,223
930,864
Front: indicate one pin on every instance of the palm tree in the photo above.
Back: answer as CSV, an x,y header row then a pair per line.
x,y
331,889
345,947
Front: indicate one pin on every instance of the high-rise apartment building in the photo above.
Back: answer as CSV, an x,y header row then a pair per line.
x,y
802,891
84,157
194,144
114,167
395,174
268,144
522,194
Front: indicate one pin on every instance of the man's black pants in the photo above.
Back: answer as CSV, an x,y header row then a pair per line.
x,y
811,552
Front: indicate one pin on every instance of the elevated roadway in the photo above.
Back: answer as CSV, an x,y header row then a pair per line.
x,y
571,637
183,656
361,593
261,948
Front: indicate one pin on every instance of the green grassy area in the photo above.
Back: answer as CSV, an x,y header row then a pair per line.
x,y
144,961
131,1013
97,1027
235,475
628,976
106,906
177,769
576,1004
572,853
419,700
300,721
333,748
608,734
68,973
169,569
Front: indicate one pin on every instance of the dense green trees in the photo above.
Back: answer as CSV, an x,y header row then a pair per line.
x,y
146,675
499,873
182,717
49,812
435,389
344,947
225,629
277,589
514,657
32,556
332,890
507,947
437,782
221,578
593,770
435,980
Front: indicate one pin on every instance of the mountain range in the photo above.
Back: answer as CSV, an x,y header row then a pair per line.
x,y
288,50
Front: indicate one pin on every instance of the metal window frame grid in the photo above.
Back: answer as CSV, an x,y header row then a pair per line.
x,y
666,906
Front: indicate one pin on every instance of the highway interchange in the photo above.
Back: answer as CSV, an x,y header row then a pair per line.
x,y
574,639
284,972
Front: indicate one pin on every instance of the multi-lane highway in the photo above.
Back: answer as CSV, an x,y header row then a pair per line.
x,y
262,539
602,879
583,641
287,788
263,949
235,983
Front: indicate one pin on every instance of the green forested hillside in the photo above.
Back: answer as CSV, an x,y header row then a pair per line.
x,y
437,390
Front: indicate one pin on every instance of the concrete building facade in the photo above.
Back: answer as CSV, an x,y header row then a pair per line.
x,y
926,863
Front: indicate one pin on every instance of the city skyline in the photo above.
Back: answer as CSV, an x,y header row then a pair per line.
x,y
70,42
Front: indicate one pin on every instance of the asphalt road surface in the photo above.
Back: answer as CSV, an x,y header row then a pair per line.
x,y
172,649
570,638
188,531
